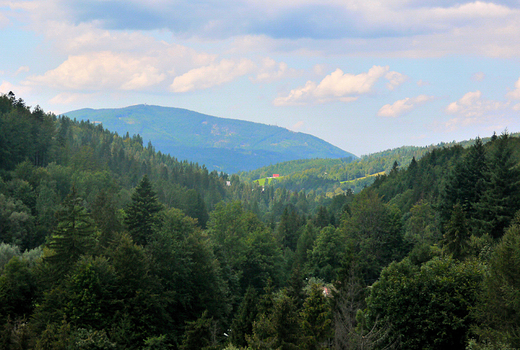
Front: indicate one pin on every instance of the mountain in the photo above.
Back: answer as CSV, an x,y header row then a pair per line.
x,y
219,143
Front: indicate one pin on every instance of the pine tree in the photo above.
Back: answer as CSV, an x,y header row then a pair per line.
x,y
288,227
501,198
105,217
456,238
316,319
74,235
243,322
141,215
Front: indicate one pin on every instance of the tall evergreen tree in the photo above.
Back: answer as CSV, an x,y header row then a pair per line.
x,y
316,320
243,322
456,237
501,198
288,227
466,183
141,215
74,235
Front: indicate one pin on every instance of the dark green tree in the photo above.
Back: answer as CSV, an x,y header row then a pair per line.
x,y
375,231
104,214
499,303
142,214
18,290
456,237
279,329
73,236
200,334
428,307
245,316
316,320
501,198
324,260
288,228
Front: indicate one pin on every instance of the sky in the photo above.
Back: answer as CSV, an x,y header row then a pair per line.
x,y
363,75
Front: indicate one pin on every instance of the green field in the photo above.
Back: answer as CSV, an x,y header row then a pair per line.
x,y
261,182
362,178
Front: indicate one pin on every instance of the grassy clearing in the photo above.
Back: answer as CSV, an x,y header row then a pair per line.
x,y
362,178
261,182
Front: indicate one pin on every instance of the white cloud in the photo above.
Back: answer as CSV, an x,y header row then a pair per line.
x,y
514,94
103,70
298,125
422,83
18,90
22,69
212,75
473,105
4,21
337,86
271,71
66,98
473,109
478,76
401,107
395,79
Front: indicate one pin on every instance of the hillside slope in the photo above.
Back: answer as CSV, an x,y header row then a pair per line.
x,y
219,143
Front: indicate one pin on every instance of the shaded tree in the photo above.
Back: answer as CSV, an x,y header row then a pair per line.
x,y
141,215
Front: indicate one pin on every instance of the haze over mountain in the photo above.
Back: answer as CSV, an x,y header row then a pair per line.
x,y
219,143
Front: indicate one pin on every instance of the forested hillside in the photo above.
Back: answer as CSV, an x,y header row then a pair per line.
x,y
221,144
107,244
335,176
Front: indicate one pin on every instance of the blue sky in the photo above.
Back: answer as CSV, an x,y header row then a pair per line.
x,y
364,75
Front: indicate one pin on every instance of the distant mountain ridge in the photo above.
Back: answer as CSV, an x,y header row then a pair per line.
x,y
223,144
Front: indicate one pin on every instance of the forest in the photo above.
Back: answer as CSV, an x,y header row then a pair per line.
x,y
107,244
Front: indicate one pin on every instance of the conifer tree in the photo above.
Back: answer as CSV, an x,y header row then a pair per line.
x,y
316,319
501,198
466,183
74,235
288,227
243,322
456,238
141,215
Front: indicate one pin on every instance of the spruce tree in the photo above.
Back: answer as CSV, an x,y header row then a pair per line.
x,y
501,198
243,322
141,215
456,238
316,319
74,234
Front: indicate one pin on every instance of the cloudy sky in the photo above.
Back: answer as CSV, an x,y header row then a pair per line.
x,y
365,75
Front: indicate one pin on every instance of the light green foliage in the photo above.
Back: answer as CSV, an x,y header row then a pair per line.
x,y
374,231
277,329
86,339
16,222
156,343
7,252
18,288
90,288
499,304
421,226
245,247
324,260
200,334
428,307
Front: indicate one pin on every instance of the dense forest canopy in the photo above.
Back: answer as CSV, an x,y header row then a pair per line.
x,y
107,244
